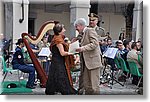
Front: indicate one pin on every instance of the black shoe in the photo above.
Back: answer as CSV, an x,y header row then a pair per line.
x,y
34,84
80,91
31,87
140,91
141,85
122,79
134,82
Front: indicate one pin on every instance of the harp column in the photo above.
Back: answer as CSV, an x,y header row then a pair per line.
x,y
78,9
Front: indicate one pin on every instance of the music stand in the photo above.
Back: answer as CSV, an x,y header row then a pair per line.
x,y
44,54
110,55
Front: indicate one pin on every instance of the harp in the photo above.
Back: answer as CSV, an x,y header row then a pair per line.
x,y
27,38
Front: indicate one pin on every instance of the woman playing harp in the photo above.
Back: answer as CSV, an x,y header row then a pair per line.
x,y
59,79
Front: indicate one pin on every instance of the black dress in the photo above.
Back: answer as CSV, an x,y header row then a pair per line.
x,y
58,80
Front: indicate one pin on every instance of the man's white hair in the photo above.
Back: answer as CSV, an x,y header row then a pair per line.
x,y
80,21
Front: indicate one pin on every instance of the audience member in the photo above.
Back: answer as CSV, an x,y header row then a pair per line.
x,y
108,35
121,36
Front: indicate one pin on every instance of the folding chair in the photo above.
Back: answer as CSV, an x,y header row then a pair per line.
x,y
123,67
117,63
134,70
7,70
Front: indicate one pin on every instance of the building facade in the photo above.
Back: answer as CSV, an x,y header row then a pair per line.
x,y
18,16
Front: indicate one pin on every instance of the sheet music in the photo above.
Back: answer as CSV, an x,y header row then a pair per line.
x,y
45,51
73,46
111,52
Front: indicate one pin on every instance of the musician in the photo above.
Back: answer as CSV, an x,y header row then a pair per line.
x,y
59,79
18,63
133,55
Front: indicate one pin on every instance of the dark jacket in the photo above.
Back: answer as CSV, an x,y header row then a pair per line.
x,y
18,57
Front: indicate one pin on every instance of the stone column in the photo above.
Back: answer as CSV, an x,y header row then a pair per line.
x,y
1,17
13,13
1,31
137,28
140,22
78,9
8,22
19,27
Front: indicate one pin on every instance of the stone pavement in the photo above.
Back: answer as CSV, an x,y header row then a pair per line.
x,y
127,89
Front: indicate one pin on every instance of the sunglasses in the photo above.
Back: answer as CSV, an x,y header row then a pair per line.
x,y
92,20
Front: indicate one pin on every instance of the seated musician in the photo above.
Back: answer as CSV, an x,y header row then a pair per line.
x,y
45,60
26,54
110,61
139,48
133,55
34,47
43,43
122,52
18,63
59,79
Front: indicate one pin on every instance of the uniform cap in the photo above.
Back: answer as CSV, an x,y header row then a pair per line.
x,y
102,38
93,16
